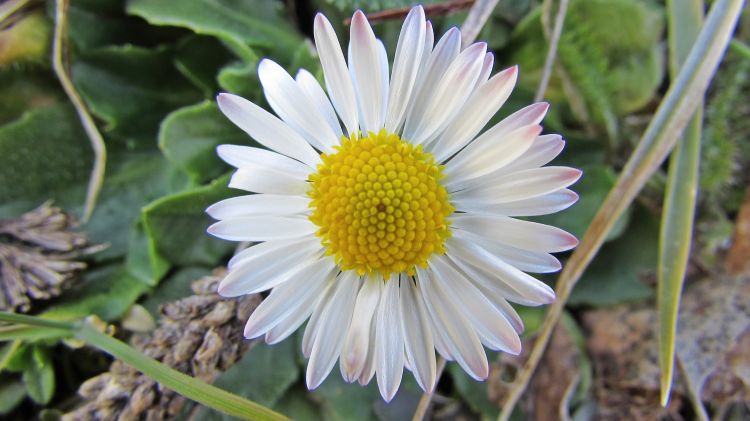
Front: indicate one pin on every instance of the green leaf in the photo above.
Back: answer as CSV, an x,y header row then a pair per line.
x,y
241,78
676,232
107,292
142,261
131,88
241,24
296,404
39,377
176,225
472,392
133,180
199,59
189,136
42,154
342,401
263,375
614,275
12,393
25,91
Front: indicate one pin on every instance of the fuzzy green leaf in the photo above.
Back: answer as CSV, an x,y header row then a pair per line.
x,y
11,394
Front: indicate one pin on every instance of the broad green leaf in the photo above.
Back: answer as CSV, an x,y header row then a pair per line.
x,y
12,393
403,405
241,78
189,136
241,24
107,292
614,275
199,59
676,232
297,405
42,154
25,91
472,392
131,88
97,23
176,225
133,180
341,401
263,375
39,377
142,261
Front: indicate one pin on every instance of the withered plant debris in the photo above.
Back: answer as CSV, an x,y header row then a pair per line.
x,y
38,252
200,335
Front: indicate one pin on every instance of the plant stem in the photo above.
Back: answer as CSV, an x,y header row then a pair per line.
x,y
97,142
35,321
424,401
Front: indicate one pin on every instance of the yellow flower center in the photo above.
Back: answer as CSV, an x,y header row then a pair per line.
x,y
379,204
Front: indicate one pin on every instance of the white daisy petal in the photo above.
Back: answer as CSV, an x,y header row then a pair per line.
x,y
336,74
266,270
292,104
419,347
287,296
317,96
530,288
262,228
357,341
540,205
368,370
496,332
526,260
267,179
409,50
525,235
259,204
479,109
487,154
445,52
484,75
247,156
260,250
366,64
332,331
460,338
450,93
265,128
543,150
311,331
389,341
518,185
294,319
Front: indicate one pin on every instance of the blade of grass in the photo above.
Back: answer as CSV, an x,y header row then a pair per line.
x,y
478,15
183,384
685,19
670,119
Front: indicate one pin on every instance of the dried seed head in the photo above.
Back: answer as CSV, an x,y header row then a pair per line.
x,y
36,256
200,335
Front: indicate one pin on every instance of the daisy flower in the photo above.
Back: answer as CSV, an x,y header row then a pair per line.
x,y
382,216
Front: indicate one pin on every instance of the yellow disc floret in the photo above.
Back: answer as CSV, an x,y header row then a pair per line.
x,y
379,204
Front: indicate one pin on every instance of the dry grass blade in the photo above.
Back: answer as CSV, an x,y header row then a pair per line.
x,y
670,120
478,15
97,142
549,61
